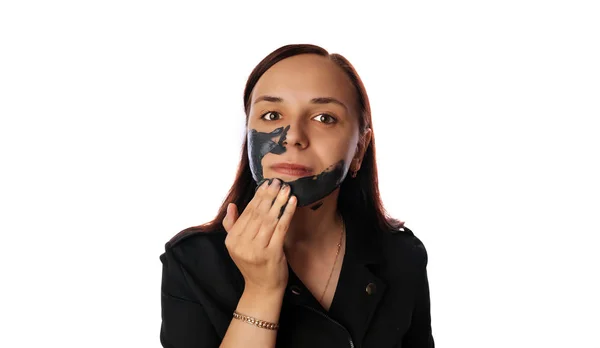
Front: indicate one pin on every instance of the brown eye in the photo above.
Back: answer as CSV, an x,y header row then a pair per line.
x,y
268,113
326,116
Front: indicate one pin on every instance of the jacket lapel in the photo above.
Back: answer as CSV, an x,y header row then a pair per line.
x,y
359,290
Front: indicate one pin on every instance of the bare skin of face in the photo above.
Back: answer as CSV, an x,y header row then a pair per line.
x,y
314,102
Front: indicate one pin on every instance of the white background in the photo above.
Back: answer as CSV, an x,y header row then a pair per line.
x,y
121,124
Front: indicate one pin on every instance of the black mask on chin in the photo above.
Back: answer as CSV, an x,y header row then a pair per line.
x,y
308,189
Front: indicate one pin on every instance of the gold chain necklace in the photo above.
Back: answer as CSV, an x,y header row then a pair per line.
x,y
339,247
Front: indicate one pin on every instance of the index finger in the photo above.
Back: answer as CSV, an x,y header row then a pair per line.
x,y
256,200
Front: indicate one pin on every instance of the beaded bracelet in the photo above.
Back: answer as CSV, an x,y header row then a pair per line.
x,y
254,321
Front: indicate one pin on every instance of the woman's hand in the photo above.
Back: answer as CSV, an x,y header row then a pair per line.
x,y
255,239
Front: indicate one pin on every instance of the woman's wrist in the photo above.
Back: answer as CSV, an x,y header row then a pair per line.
x,y
260,304
257,322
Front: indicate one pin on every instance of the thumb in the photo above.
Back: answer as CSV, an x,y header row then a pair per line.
x,y
231,216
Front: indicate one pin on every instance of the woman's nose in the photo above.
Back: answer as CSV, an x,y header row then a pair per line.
x,y
296,136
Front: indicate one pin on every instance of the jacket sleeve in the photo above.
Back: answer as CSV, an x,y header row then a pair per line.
x,y
419,334
185,324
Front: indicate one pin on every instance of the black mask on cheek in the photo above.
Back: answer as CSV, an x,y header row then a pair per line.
x,y
308,189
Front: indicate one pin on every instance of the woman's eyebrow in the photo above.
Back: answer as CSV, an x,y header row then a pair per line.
x,y
319,100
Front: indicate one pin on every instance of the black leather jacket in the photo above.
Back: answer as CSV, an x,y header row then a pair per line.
x,y
381,300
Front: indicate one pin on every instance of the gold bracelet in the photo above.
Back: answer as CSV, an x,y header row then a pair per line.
x,y
260,323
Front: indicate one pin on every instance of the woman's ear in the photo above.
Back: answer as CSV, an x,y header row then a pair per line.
x,y
361,148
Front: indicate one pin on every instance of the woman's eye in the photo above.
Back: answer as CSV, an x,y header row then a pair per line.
x,y
327,116
269,113
274,115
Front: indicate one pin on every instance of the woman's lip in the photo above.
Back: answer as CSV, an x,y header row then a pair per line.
x,y
290,171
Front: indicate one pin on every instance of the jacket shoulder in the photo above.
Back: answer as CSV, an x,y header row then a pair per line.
x,y
201,258
193,235
196,248
406,244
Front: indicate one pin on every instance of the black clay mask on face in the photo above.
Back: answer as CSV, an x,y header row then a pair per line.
x,y
307,189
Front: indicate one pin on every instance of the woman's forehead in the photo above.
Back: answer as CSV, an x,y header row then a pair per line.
x,y
304,77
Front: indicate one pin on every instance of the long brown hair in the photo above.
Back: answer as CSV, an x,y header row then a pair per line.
x,y
358,196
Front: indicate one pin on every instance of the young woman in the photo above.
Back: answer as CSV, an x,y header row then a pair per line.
x,y
301,253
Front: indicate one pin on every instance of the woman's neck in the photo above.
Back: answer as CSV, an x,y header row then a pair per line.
x,y
314,231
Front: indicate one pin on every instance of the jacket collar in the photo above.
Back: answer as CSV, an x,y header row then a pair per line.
x,y
363,241
360,290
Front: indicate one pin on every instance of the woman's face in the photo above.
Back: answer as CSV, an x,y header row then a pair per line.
x,y
303,111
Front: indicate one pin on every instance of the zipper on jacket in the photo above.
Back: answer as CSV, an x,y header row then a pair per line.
x,y
333,321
